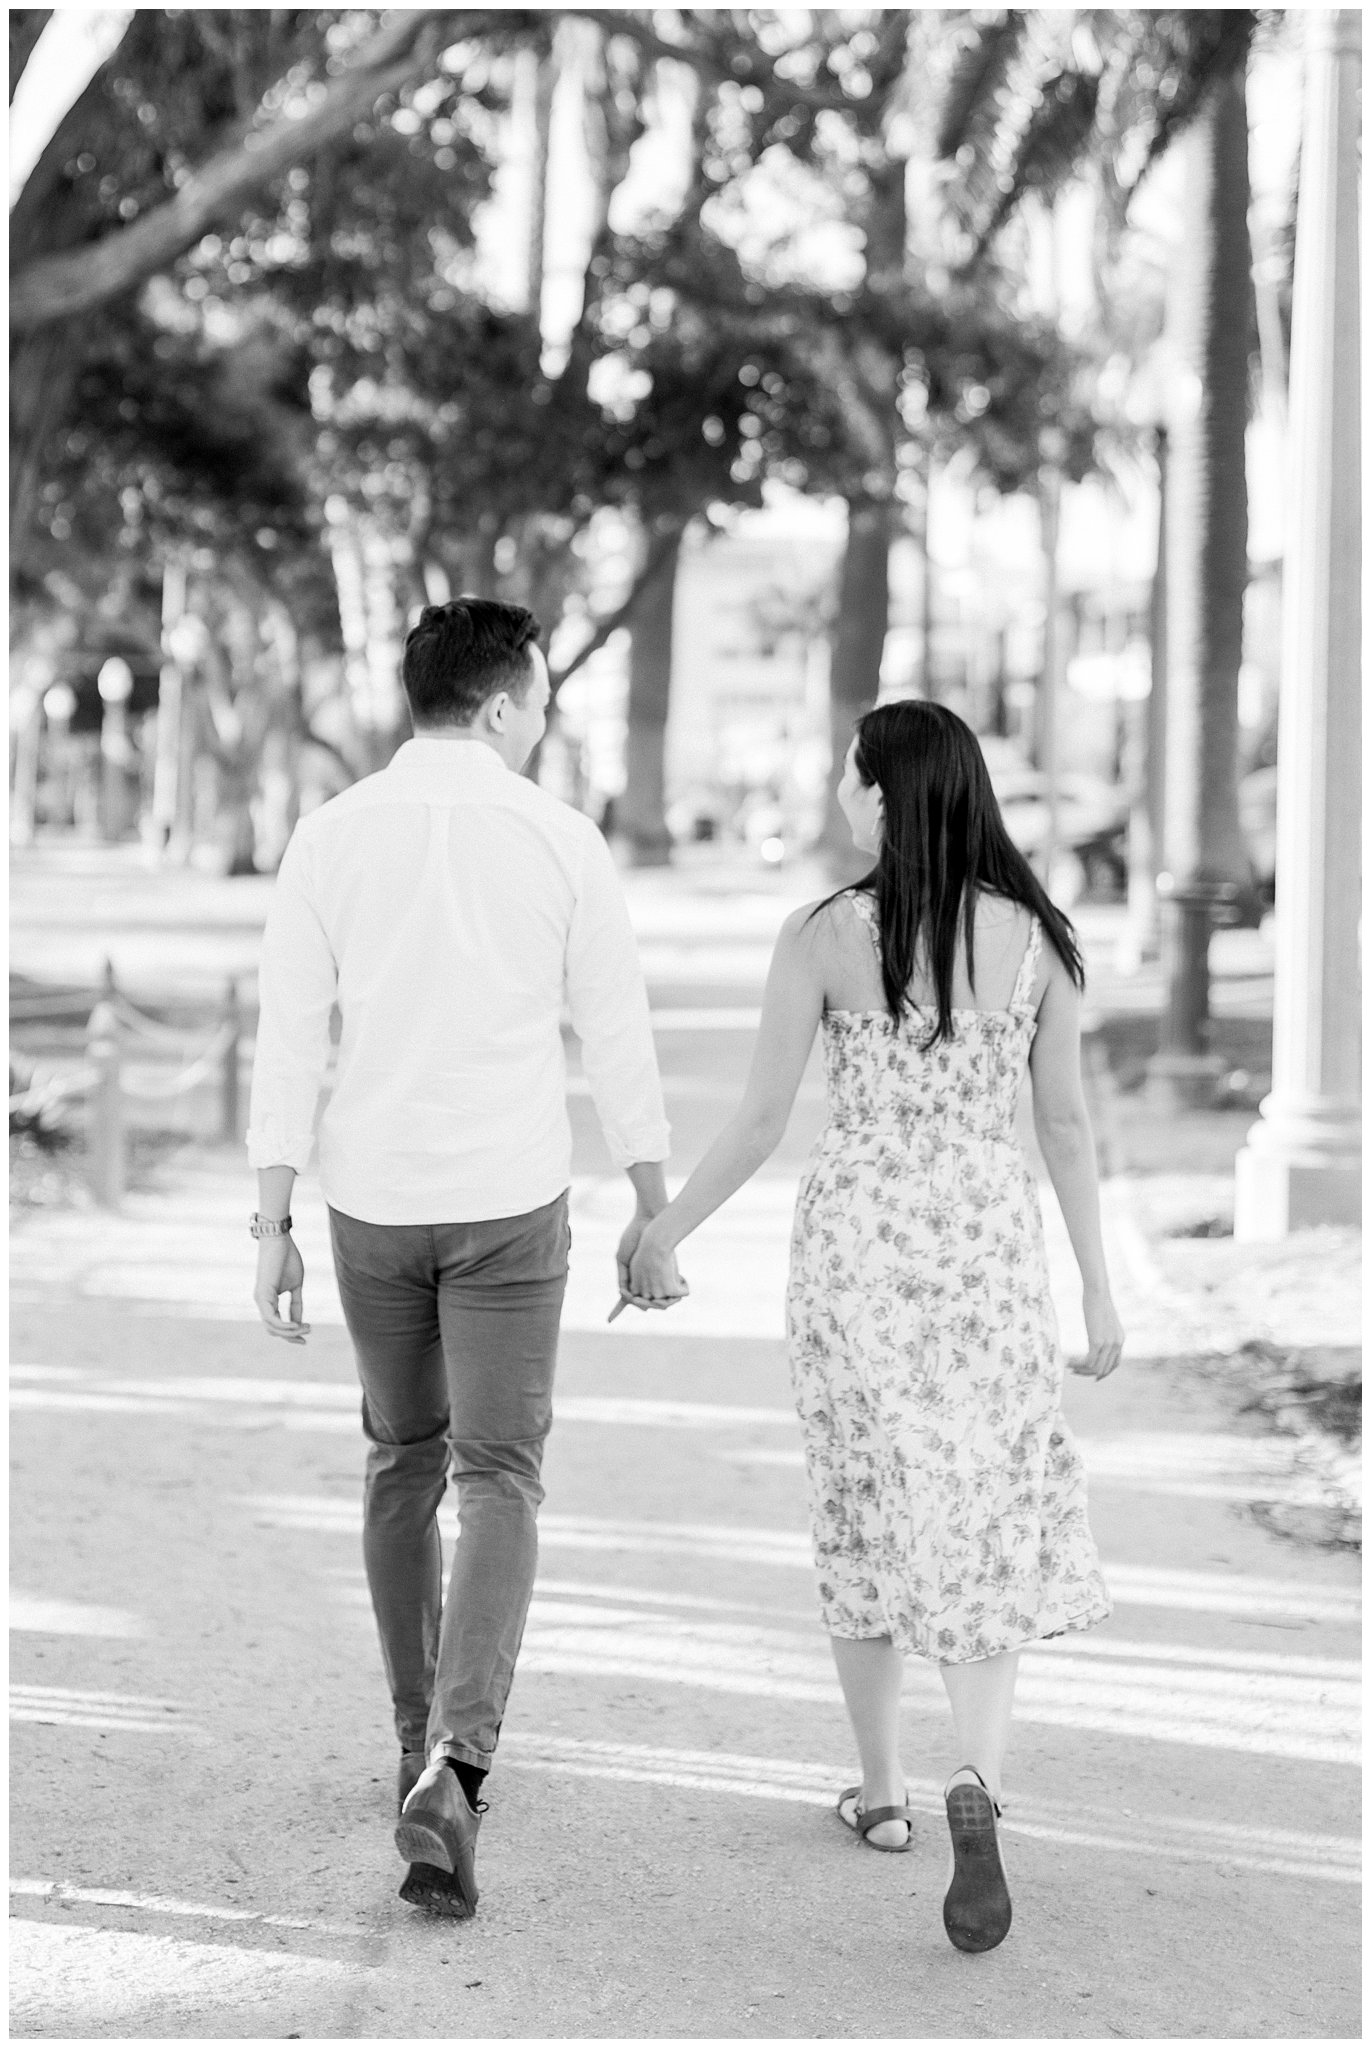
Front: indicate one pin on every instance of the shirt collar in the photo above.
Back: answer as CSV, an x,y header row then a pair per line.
x,y
448,757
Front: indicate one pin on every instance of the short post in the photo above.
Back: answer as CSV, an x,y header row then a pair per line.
x,y
106,1107
1184,1072
228,1081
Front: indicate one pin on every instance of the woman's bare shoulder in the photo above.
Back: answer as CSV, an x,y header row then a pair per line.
x,y
824,916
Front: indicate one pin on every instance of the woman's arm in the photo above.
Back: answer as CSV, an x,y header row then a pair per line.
x,y
1067,1143
791,1010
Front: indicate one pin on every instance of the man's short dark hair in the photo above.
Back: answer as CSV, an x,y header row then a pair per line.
x,y
461,653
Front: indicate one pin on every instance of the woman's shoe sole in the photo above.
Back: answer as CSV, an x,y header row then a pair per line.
x,y
977,1910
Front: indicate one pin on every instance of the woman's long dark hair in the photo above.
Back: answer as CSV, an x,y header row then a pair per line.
x,y
943,843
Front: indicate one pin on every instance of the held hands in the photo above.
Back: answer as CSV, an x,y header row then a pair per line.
x,y
280,1270
648,1274
1104,1338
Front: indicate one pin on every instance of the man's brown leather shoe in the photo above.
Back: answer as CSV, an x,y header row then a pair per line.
x,y
436,1836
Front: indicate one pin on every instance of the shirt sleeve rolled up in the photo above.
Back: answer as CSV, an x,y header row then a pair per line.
x,y
607,999
297,987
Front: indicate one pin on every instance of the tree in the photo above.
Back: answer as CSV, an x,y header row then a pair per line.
x,y
193,116
1025,112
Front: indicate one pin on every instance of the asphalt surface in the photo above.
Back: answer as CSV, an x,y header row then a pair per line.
x,y
202,1775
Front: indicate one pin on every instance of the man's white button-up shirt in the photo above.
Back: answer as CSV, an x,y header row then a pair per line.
x,y
449,907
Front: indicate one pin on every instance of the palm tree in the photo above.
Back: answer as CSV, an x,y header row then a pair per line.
x,y
1030,101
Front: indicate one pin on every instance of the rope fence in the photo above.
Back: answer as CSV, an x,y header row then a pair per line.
x,y
116,1029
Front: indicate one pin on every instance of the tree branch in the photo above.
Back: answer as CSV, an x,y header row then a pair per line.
x,y
58,287
26,25
658,554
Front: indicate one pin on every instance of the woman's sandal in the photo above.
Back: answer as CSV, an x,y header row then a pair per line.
x,y
977,1909
862,1823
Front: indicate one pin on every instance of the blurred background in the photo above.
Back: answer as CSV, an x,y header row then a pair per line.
x,y
783,360
826,359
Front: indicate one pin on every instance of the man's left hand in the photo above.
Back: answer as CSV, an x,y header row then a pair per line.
x,y
280,1270
670,1286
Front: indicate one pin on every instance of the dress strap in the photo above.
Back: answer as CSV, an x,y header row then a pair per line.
x,y
1028,966
865,907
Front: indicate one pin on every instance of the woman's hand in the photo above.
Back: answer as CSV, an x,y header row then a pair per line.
x,y
1103,1335
653,1275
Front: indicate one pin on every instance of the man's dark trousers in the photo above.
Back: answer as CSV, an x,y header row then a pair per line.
x,y
455,1330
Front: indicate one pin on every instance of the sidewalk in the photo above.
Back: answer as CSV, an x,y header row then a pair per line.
x,y
200,1816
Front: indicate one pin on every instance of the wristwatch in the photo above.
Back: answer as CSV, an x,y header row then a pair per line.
x,y
267,1226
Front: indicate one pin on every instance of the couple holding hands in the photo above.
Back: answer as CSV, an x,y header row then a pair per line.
x,y
451,910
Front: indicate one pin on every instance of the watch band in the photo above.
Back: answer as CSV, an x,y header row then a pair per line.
x,y
267,1226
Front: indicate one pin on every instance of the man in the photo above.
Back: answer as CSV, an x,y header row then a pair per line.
x,y
448,907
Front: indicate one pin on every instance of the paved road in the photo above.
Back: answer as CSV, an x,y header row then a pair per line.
x,y
203,1760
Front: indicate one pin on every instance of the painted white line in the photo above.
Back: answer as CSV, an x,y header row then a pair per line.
x,y
319,1421
666,1414
59,1893
581,1589
56,1717
92,1403
1284,1852
1132,1585
1259,1717
1262,1485
57,1388
31,1614
736,1019
80,1982
1231,1593
189,1387
55,1706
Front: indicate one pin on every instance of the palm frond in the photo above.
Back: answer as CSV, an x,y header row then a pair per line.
x,y
976,80
1207,44
1052,145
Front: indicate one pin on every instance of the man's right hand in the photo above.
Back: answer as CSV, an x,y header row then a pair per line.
x,y
280,1270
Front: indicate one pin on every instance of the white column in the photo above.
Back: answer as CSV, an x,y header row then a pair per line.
x,y
1301,1163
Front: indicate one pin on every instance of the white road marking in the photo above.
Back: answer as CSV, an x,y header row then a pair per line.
x,y
1229,1468
58,1706
31,1614
75,1981
741,1018
611,1411
1305,1708
1255,1712
1283,1852
1231,1593
638,1414
56,1892
1132,1585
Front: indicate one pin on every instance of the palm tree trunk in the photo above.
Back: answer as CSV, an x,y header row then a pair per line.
x,y
1156,701
642,812
1210,313
1147,818
864,589
858,644
540,116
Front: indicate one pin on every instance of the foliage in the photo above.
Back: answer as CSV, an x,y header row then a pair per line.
x,y
1030,99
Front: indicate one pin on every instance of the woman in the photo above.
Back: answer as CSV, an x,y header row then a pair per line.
x,y
947,1494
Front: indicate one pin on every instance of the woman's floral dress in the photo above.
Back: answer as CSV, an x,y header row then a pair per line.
x,y
947,1493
